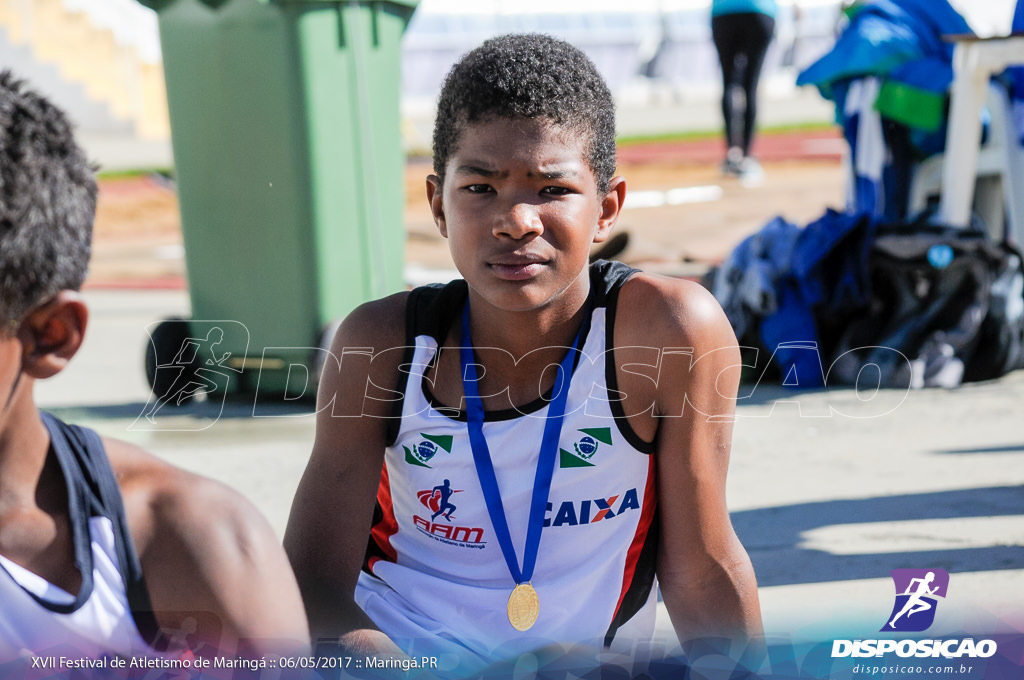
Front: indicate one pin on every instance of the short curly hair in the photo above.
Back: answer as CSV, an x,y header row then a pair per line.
x,y
528,75
47,202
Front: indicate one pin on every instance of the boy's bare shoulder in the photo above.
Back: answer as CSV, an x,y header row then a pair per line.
x,y
378,324
367,350
205,548
162,499
670,312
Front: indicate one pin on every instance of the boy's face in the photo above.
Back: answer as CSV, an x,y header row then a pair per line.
x,y
520,209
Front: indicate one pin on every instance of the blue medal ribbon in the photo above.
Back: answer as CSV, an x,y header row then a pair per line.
x,y
545,462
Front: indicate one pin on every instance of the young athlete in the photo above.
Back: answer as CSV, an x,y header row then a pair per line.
x,y
104,549
576,417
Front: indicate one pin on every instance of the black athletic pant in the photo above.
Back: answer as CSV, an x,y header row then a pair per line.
x,y
741,40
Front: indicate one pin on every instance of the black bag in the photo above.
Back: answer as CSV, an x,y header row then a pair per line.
x,y
1000,346
944,307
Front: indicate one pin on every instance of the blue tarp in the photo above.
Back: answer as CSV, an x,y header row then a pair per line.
x,y
888,74
1016,76
899,41
777,281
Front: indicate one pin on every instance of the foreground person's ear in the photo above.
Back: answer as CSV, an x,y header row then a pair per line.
x,y
51,334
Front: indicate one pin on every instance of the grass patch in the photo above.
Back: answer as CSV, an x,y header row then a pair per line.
x,y
135,173
701,135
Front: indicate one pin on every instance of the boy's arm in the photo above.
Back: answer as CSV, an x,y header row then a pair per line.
x,y
707,581
213,567
329,524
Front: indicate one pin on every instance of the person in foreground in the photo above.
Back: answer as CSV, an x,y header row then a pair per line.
x,y
104,549
572,422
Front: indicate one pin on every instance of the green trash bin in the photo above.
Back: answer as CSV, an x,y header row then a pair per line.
x,y
287,150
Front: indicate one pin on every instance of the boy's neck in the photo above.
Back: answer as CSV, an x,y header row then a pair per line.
x,y
524,332
24,443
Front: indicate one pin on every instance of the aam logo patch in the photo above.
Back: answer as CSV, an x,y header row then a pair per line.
x,y
586,445
438,500
440,526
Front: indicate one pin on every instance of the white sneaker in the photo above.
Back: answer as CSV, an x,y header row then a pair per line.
x,y
751,173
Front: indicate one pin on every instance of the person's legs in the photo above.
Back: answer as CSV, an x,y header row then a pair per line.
x,y
757,35
727,36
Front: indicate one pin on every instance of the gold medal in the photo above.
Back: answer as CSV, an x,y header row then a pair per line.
x,y
523,606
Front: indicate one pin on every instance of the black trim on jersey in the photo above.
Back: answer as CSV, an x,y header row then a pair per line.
x,y
621,273
639,589
537,404
429,310
453,413
443,306
93,492
373,550
80,509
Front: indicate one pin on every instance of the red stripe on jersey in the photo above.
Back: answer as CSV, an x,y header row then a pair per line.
x,y
636,547
387,527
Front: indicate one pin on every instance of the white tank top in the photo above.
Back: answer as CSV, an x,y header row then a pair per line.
x,y
111,613
435,578
41,619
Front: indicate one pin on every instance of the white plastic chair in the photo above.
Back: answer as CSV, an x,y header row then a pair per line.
x,y
998,180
